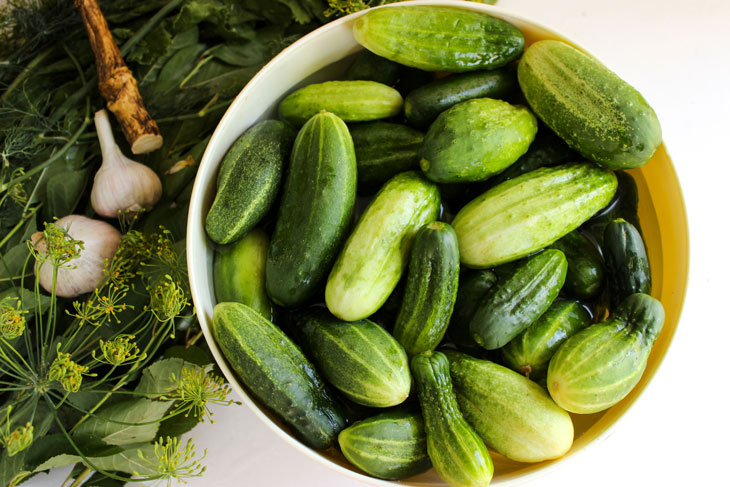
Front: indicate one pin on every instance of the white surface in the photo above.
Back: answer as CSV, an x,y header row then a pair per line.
x,y
676,53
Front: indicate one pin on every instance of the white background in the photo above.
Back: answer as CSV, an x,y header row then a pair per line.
x,y
677,54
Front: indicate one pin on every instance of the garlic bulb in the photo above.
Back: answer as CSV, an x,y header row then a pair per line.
x,y
121,184
85,272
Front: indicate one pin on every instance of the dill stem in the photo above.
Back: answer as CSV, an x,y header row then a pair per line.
x,y
29,68
19,225
81,477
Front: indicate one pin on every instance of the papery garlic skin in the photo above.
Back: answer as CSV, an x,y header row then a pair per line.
x,y
121,184
84,273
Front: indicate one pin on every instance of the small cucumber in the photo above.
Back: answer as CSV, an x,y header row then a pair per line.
x,y
473,286
433,277
585,265
391,445
248,180
277,373
514,303
624,204
439,38
369,67
476,139
597,367
239,273
315,210
626,261
375,255
359,358
352,101
458,454
512,414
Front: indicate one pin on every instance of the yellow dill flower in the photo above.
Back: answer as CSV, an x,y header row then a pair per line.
x,y
173,463
197,389
167,299
12,321
67,372
119,351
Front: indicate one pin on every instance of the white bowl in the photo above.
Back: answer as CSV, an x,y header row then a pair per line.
x,y
324,54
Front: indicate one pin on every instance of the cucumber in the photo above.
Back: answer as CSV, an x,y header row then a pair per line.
x,y
352,101
624,204
589,106
529,352
626,261
473,286
315,210
248,180
438,38
529,212
277,374
512,414
513,304
375,255
360,358
383,150
239,273
585,265
476,139
424,104
597,367
391,445
433,278
458,454
369,67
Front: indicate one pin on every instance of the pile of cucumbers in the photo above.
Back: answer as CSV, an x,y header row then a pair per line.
x,y
418,269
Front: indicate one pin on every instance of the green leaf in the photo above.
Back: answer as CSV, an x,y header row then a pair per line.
x,y
177,425
155,379
128,461
131,411
27,298
64,191
12,262
192,354
100,480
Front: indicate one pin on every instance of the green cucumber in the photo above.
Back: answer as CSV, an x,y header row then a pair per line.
x,y
391,445
585,265
458,454
625,204
424,104
248,180
277,373
626,261
375,255
369,67
589,106
383,150
529,212
360,358
433,277
315,210
473,286
239,273
438,38
597,367
476,139
352,101
529,352
513,304
512,414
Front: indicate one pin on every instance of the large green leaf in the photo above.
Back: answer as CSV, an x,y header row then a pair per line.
x,y
156,380
64,190
133,412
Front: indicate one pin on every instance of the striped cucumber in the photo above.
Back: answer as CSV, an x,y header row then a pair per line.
x,y
585,265
626,260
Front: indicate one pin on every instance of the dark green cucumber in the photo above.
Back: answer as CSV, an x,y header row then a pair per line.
x,y
433,278
359,358
597,367
512,414
438,38
315,211
473,286
513,304
626,261
391,445
458,454
239,273
277,373
370,67
383,150
476,139
585,265
625,204
248,180
529,352
589,106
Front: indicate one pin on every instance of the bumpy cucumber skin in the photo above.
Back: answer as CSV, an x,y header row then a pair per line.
x,y
585,265
239,273
352,101
589,106
529,352
626,260
370,67
476,139
360,358
512,414
438,38
514,303
391,445
433,279
457,452
624,204
375,255
530,212
248,180
424,104
597,367
277,373
473,286
315,210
